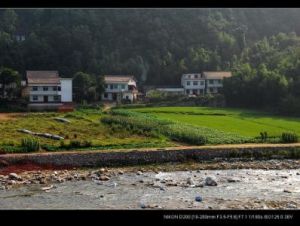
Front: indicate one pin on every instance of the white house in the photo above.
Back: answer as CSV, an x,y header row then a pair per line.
x,y
193,84
120,87
46,90
202,83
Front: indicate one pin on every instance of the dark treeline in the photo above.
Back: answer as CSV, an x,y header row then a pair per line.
x,y
260,46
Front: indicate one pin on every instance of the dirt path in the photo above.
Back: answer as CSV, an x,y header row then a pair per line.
x,y
8,116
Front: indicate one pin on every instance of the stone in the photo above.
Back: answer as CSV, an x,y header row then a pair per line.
x,y
104,178
139,173
47,188
287,191
297,173
102,170
190,181
3,163
14,176
232,180
143,206
200,185
291,206
210,182
198,199
11,182
120,172
62,120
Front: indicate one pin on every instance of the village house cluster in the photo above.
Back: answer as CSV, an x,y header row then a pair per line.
x,y
48,90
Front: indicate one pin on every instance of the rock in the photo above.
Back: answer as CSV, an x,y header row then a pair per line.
x,y
291,206
120,172
232,180
198,199
14,176
139,173
200,185
171,183
287,191
47,188
143,206
3,163
210,182
11,182
189,181
62,120
296,173
104,178
141,181
102,171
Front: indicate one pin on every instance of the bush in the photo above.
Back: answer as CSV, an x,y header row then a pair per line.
x,y
30,144
74,144
263,136
288,137
86,143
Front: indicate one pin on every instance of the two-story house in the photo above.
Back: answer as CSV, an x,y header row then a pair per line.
x,y
214,80
203,83
120,87
193,84
47,90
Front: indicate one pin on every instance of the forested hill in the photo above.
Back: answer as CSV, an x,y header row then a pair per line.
x,y
156,45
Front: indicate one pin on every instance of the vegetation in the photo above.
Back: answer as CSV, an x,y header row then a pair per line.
x,y
84,131
30,144
289,137
248,123
175,131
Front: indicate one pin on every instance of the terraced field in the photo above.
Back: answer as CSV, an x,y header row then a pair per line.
x,y
242,122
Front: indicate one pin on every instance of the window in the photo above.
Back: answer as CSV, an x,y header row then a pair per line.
x,y
34,88
115,86
111,86
105,95
202,83
123,86
54,88
34,98
127,97
58,88
106,86
56,98
211,81
195,83
196,76
45,88
211,90
188,83
219,81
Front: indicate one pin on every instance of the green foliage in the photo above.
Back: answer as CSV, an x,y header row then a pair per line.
x,y
288,137
176,131
264,136
30,144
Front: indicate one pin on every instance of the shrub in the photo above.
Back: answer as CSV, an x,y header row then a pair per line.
x,y
263,136
86,143
30,144
74,144
289,137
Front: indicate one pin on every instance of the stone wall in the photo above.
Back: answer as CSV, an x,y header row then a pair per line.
x,y
137,157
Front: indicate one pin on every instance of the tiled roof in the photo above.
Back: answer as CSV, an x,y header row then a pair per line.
x,y
216,74
118,78
42,77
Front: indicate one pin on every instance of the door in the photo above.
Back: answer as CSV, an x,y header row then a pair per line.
x,y
46,99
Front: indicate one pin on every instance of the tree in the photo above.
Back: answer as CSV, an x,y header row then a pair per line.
x,y
7,77
81,85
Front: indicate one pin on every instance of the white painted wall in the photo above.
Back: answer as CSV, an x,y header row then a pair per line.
x,y
66,89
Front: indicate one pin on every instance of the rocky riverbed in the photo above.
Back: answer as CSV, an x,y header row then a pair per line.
x,y
273,184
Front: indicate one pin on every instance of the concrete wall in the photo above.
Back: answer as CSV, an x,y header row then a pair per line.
x,y
66,90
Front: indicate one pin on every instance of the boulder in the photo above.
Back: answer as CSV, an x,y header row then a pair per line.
x,y
14,176
210,182
62,120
